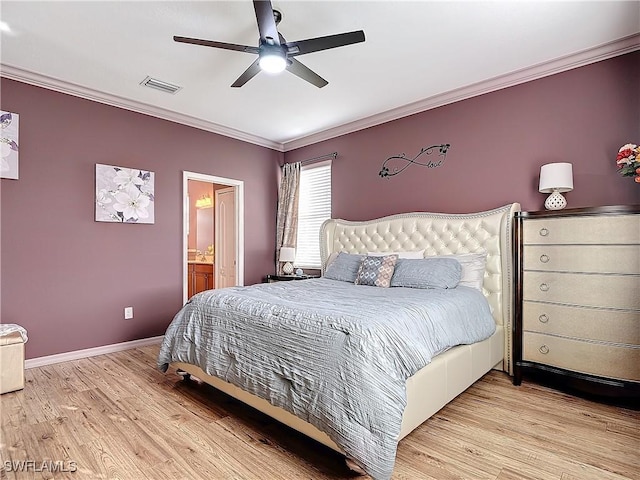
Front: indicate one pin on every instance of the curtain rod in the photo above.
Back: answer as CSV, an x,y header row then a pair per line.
x,y
321,157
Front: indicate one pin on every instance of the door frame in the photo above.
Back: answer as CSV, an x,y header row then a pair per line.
x,y
239,212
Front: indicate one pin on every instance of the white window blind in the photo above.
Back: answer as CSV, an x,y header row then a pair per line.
x,y
314,207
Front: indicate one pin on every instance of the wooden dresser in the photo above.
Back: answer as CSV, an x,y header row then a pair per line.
x,y
577,322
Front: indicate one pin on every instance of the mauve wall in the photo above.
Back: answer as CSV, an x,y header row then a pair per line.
x,y
498,143
67,278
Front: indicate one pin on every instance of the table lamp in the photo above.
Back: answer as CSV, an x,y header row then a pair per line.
x,y
287,255
556,178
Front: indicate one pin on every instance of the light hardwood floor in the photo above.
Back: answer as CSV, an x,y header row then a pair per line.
x,y
118,417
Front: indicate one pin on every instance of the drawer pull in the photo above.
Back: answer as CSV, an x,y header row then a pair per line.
x,y
544,258
544,232
544,287
543,318
543,349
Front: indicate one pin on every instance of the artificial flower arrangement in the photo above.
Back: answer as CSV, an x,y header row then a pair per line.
x,y
628,161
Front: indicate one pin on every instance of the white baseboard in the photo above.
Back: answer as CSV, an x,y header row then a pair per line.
x,y
90,352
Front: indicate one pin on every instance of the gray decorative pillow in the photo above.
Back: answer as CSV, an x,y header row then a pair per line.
x,y
427,273
376,271
344,267
473,267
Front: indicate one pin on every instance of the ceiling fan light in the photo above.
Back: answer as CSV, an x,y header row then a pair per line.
x,y
272,63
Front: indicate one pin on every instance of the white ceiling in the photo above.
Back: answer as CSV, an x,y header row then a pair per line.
x,y
417,55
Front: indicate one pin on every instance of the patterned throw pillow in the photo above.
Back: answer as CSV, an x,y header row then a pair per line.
x,y
376,271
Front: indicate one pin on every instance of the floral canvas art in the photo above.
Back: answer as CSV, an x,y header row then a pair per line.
x,y
124,195
9,145
628,161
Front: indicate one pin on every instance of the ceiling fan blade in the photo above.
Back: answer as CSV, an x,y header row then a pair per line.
x,y
305,73
211,43
248,74
266,22
323,43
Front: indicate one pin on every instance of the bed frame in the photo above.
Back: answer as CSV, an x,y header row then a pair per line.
x,y
453,371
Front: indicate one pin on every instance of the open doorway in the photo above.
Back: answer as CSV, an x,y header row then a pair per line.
x,y
213,233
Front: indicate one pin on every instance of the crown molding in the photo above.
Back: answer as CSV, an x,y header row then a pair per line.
x,y
545,69
50,83
557,65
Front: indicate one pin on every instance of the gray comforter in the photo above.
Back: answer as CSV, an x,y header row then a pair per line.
x,y
332,353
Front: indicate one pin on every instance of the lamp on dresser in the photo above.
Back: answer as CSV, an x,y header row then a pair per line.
x,y
287,255
556,178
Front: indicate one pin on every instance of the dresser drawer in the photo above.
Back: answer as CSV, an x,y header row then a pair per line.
x,y
583,258
605,360
589,290
620,229
588,323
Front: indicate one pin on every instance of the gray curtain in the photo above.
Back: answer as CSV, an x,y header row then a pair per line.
x,y
287,219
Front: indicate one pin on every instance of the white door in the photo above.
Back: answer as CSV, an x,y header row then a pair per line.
x,y
225,234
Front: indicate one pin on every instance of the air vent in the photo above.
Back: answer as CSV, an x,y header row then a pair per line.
x,y
160,85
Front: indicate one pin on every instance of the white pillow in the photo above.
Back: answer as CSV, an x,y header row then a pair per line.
x,y
473,267
406,255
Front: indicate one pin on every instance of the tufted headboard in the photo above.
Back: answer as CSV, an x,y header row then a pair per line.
x,y
439,234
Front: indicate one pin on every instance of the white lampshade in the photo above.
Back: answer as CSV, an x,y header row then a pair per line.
x,y
556,176
287,254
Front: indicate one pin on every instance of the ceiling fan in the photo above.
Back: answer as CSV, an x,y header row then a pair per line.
x,y
276,54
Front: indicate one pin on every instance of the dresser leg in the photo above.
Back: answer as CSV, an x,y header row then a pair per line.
x,y
517,376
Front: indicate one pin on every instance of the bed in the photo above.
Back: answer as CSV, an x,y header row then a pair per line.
x,y
423,393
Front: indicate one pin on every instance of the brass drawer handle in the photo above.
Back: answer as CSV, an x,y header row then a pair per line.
x,y
544,287
544,232
544,258
543,349
543,318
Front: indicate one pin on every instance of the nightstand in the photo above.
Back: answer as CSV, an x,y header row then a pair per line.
x,y
286,278
577,312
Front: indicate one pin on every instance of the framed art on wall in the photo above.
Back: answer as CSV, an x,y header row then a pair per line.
x,y
124,195
9,145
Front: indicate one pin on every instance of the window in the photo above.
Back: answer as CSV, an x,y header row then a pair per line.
x,y
314,207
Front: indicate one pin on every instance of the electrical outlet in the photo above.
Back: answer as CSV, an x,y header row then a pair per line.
x,y
128,313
